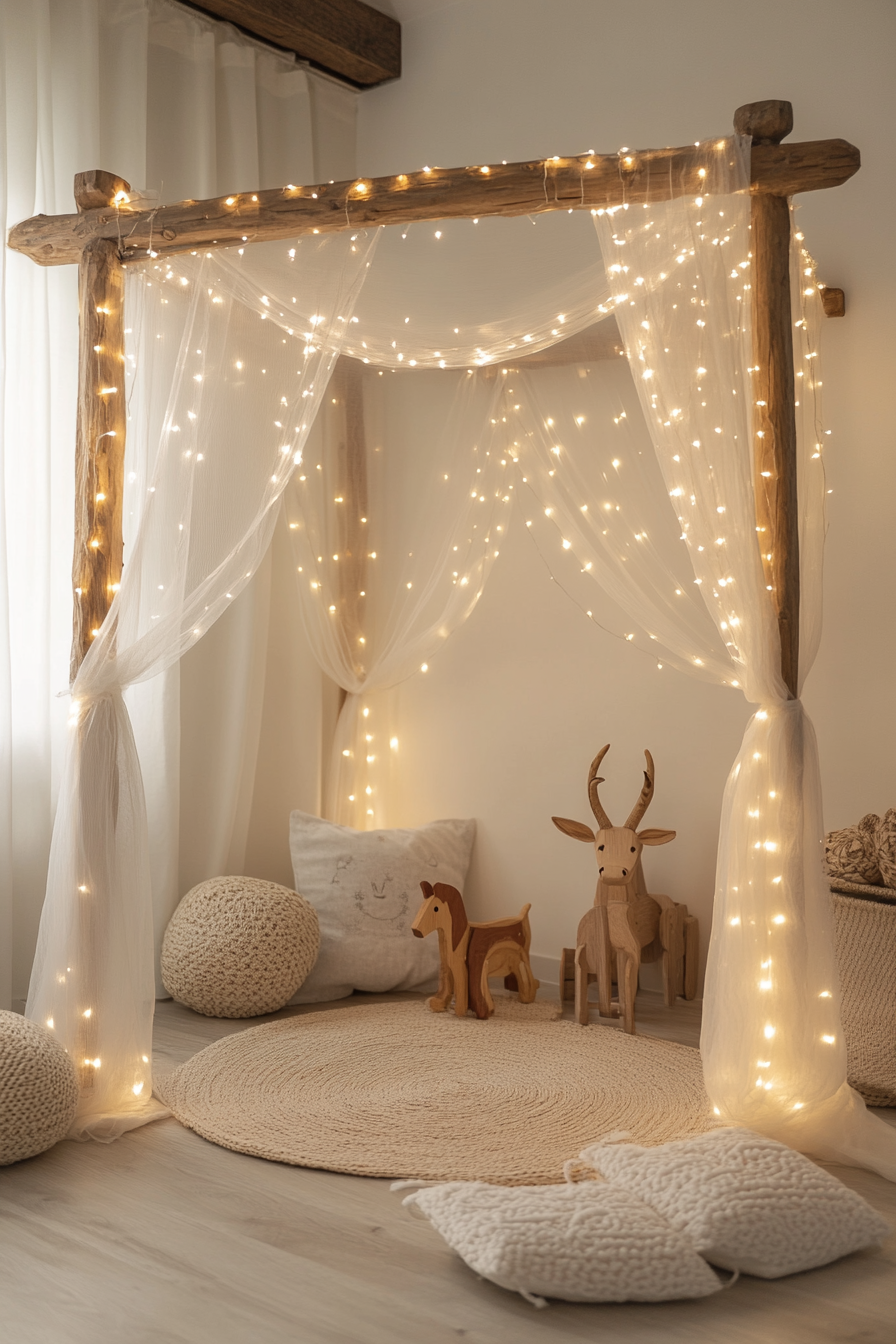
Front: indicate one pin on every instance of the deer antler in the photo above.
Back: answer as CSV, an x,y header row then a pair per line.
x,y
596,806
643,802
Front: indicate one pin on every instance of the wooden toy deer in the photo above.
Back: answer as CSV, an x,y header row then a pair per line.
x,y
626,920
470,953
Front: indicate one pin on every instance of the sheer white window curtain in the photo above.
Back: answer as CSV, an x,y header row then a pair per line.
x,y
179,105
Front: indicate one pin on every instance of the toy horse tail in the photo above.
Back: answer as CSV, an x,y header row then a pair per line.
x,y
524,920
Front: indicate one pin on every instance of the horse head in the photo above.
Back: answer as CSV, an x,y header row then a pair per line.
x,y
442,908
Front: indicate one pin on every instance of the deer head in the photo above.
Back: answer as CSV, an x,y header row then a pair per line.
x,y
618,848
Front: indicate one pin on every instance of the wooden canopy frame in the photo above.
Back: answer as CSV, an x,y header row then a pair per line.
x,y
108,232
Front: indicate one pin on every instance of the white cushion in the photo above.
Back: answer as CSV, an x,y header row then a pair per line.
x,y
588,1242
239,947
365,886
38,1088
747,1202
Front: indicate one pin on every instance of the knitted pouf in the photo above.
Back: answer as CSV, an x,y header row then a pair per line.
x,y
239,947
38,1089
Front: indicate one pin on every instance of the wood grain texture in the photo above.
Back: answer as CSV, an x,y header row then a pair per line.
x,y
97,189
774,457
345,393
99,452
833,301
442,193
163,1238
767,122
345,37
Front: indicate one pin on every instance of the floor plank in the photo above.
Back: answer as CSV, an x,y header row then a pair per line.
x,y
163,1238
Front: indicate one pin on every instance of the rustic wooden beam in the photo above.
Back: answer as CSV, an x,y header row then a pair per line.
x,y
774,457
345,37
99,453
582,183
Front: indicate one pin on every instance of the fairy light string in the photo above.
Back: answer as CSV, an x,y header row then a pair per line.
x,y
346,569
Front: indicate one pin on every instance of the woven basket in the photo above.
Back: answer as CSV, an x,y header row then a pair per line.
x,y
865,939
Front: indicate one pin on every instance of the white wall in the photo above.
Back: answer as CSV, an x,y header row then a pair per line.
x,y
505,723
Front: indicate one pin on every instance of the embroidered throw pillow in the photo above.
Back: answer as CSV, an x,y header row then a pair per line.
x,y
589,1242
746,1202
851,854
365,887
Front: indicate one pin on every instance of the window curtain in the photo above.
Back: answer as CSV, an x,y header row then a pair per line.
x,y
113,83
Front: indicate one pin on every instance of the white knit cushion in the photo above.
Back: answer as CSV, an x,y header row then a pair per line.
x,y
239,947
588,1242
38,1089
746,1202
365,886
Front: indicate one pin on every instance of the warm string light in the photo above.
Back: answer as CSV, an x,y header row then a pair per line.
x,y
702,371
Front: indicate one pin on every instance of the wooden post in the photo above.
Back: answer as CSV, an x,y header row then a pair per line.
x,y
99,453
97,561
777,510
347,387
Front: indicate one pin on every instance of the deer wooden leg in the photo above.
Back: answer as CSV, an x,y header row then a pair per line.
x,y
604,965
567,974
672,939
625,941
581,1006
691,955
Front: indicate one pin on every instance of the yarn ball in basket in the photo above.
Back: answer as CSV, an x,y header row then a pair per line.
x,y
38,1089
239,947
851,854
886,847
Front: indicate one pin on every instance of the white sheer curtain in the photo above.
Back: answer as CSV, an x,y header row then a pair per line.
x,y
773,1050
237,420
392,551
103,83
598,510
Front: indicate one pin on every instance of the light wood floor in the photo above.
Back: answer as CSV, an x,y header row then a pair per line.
x,y
163,1238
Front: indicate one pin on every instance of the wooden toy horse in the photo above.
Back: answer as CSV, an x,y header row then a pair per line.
x,y
626,921
470,953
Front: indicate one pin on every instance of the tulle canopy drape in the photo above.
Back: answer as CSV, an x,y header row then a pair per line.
x,y
644,476
204,511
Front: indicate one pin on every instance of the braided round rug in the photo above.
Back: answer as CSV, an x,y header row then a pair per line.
x,y
396,1090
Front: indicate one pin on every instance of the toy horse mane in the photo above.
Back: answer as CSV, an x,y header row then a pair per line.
x,y
455,903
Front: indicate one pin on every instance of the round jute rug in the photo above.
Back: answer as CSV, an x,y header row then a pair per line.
x,y
396,1090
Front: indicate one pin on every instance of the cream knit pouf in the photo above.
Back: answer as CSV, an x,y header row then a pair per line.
x,y
38,1089
239,947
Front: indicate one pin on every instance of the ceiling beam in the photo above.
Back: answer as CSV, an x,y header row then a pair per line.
x,y
581,183
344,37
